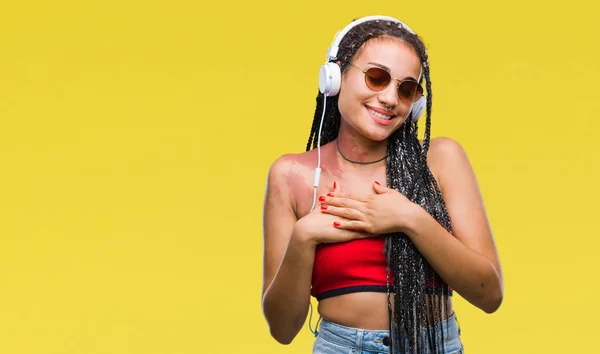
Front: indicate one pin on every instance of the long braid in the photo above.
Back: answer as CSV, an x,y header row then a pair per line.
x,y
331,125
426,141
315,124
415,282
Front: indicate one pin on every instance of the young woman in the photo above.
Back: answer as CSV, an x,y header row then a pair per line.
x,y
396,225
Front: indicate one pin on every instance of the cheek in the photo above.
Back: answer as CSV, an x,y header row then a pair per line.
x,y
342,106
404,111
349,104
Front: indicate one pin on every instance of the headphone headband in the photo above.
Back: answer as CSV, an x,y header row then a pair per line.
x,y
333,50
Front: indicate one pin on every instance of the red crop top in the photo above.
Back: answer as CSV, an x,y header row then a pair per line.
x,y
358,265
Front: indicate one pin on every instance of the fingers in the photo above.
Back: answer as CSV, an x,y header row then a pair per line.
x,y
336,188
340,202
347,213
379,188
345,235
363,228
352,225
337,192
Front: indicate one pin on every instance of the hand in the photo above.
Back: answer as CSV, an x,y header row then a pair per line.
x,y
386,211
320,227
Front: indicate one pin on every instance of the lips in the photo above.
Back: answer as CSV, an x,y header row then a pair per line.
x,y
385,112
381,116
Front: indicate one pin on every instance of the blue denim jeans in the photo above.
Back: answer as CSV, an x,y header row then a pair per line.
x,y
333,338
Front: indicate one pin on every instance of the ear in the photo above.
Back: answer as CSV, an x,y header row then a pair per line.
x,y
339,64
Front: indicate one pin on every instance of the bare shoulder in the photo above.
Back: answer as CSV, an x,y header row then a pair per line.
x,y
288,162
289,175
445,157
289,170
279,169
277,191
444,149
442,143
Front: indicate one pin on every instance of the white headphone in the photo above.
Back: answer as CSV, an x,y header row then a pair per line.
x,y
330,76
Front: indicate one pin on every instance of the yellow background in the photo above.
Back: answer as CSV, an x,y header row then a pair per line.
x,y
135,138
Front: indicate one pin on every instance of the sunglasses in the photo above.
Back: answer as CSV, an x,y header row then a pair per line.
x,y
377,79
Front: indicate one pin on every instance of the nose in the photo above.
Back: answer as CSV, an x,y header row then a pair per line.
x,y
389,95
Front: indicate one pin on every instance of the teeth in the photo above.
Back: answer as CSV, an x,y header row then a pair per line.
x,y
377,114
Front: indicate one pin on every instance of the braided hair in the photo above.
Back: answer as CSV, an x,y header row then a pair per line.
x,y
419,293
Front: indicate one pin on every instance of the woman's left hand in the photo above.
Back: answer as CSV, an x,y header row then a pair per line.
x,y
386,211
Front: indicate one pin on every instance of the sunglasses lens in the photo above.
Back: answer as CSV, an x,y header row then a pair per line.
x,y
377,79
409,91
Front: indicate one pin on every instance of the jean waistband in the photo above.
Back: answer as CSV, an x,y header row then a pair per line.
x,y
376,340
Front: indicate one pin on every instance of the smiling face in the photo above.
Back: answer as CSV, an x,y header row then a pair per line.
x,y
364,109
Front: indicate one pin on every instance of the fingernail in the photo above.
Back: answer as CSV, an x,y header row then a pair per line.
x,y
321,198
377,183
323,207
336,224
334,185
330,194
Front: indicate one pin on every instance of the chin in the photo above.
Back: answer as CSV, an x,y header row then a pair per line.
x,y
377,134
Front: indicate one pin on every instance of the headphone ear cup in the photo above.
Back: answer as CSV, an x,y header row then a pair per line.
x,y
418,108
329,79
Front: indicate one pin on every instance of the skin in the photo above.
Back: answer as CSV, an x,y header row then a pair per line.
x,y
359,207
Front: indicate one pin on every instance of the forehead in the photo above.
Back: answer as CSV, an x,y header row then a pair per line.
x,y
397,55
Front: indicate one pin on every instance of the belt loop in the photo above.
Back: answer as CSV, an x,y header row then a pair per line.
x,y
359,340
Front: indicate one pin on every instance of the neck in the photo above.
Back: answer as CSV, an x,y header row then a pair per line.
x,y
357,148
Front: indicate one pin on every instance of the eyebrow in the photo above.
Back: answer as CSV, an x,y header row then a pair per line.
x,y
388,70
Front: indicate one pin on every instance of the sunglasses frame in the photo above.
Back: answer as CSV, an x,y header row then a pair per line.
x,y
415,99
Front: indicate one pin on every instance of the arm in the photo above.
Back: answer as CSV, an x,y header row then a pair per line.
x,y
468,262
287,259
